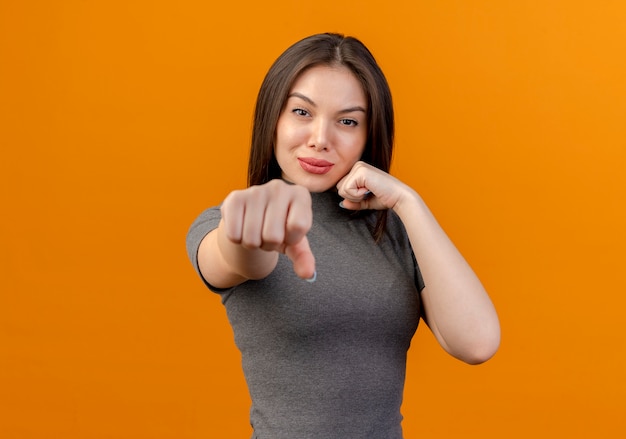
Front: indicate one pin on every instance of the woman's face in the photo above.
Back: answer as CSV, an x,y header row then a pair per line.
x,y
322,129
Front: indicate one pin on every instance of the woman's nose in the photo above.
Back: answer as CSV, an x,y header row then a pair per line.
x,y
319,138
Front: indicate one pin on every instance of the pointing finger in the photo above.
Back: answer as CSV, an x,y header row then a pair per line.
x,y
302,258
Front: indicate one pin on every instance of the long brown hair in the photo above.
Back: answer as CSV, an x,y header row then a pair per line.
x,y
322,49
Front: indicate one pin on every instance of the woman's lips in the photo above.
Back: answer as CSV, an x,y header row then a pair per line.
x,y
315,166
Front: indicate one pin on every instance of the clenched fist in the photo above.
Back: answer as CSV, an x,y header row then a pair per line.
x,y
275,216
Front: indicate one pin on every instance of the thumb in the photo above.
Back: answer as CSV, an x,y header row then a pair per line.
x,y
302,258
354,205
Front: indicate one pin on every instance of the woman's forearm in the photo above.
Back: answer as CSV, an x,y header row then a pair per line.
x,y
457,307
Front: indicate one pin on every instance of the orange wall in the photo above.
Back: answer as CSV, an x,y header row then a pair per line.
x,y
121,120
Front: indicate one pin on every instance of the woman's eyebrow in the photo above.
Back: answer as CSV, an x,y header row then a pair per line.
x,y
303,97
353,109
310,102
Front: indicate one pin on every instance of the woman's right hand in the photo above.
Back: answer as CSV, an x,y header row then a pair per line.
x,y
261,220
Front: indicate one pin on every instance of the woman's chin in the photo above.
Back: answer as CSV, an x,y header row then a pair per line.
x,y
312,183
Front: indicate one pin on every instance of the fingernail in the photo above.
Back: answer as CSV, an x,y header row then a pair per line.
x,y
313,278
341,204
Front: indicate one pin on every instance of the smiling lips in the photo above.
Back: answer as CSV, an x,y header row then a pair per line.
x,y
315,166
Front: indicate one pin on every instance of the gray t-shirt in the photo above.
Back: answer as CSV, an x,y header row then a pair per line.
x,y
327,360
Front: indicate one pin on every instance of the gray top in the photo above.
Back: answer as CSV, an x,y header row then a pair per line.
x,y
327,359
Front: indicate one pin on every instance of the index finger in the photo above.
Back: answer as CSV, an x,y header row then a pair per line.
x,y
302,258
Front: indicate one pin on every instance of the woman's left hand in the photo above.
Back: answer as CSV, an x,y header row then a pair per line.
x,y
367,187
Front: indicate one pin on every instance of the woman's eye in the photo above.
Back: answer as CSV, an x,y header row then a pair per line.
x,y
300,112
349,122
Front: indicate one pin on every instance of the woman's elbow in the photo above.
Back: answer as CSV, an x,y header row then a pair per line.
x,y
480,350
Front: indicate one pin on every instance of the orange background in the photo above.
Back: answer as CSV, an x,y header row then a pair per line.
x,y
121,120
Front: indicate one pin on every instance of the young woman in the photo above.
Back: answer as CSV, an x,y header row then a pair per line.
x,y
317,260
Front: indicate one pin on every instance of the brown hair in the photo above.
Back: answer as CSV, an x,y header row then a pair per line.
x,y
322,49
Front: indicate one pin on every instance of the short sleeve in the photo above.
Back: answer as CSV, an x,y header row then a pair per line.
x,y
204,223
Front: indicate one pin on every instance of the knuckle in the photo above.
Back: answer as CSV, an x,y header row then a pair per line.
x,y
272,238
234,196
233,201
231,236
250,244
299,225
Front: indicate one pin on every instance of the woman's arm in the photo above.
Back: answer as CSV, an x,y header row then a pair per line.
x,y
258,223
456,306
224,263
